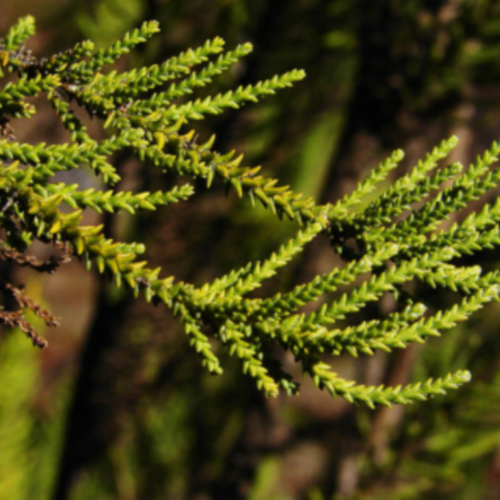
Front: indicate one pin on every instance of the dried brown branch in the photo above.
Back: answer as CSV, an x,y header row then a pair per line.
x,y
17,319
48,266
23,301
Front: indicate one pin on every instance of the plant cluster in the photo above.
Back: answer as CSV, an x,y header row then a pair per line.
x,y
392,245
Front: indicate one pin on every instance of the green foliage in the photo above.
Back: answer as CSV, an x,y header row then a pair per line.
x,y
31,438
393,246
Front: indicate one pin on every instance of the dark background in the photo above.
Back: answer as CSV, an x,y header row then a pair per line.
x,y
119,407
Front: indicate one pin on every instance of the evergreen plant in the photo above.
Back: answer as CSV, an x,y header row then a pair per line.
x,y
394,243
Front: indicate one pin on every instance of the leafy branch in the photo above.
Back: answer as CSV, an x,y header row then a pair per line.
x,y
389,246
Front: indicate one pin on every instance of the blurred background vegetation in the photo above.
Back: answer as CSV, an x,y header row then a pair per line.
x,y
119,407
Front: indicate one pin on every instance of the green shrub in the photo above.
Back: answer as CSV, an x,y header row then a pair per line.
x,y
393,245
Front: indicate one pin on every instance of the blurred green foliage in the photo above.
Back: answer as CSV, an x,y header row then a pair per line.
x,y
395,70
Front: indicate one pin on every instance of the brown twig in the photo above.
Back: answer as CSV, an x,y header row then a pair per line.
x,y
23,301
48,266
16,318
